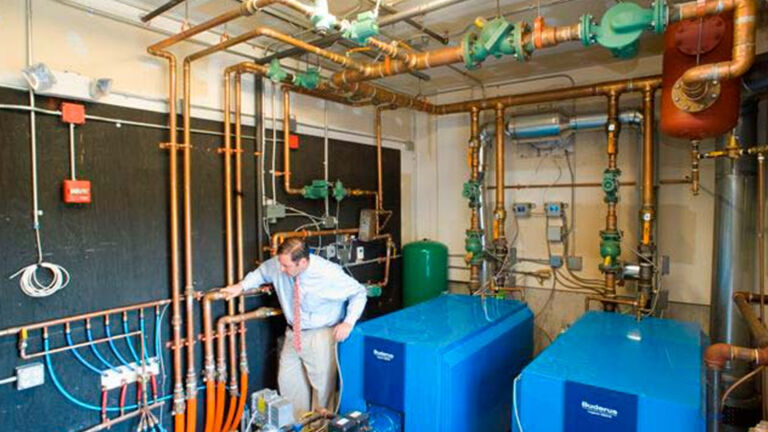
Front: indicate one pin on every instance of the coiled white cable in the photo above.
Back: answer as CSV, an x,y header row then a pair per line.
x,y
33,287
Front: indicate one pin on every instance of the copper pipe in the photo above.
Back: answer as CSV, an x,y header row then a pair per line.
x,y
240,249
718,354
286,144
756,327
648,211
390,50
761,231
117,420
209,359
81,317
544,36
248,7
278,238
27,356
743,53
188,252
637,304
260,313
621,86
611,219
474,166
426,60
695,156
178,384
662,182
273,34
377,126
387,259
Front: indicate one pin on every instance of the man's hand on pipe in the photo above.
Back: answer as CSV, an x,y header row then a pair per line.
x,y
232,290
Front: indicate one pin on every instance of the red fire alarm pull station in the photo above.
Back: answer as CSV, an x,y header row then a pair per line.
x,y
293,142
74,191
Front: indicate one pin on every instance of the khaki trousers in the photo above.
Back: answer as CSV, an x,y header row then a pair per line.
x,y
308,378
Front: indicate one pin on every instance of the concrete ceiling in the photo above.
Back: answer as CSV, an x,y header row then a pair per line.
x,y
453,21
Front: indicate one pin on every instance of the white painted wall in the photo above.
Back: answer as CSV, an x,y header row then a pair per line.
x,y
685,222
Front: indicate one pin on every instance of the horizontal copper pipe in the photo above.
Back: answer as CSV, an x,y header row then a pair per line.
x,y
133,414
544,36
271,33
25,356
417,61
278,238
248,7
586,184
89,315
621,86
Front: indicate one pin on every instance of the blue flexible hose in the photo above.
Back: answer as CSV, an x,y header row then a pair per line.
x,y
113,347
74,400
80,358
129,342
96,351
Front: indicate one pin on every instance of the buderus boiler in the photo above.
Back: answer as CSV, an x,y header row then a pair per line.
x,y
610,372
444,365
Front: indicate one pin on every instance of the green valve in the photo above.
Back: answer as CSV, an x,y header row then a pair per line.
x,y
622,25
373,290
275,72
322,19
497,37
339,191
318,189
472,192
611,185
309,79
473,244
610,250
361,29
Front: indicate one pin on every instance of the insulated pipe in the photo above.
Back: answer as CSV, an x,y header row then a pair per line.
x,y
178,383
209,359
500,212
717,355
536,126
743,53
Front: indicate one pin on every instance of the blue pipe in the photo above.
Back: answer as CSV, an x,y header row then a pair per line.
x,y
96,350
80,358
112,345
74,400
128,339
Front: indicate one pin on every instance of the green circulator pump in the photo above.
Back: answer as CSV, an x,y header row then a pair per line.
x,y
425,271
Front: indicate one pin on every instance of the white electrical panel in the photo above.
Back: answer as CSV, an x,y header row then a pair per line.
x,y
116,377
30,375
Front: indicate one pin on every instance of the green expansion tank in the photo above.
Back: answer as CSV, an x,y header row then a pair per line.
x,y
425,271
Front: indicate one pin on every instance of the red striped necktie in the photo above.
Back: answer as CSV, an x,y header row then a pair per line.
x,y
296,315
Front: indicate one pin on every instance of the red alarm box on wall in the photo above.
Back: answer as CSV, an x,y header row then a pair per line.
x,y
76,191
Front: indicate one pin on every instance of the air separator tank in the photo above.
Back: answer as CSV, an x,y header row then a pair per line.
x,y
425,271
686,44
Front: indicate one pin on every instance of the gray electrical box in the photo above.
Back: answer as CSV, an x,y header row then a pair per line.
x,y
367,225
273,212
522,209
554,209
555,234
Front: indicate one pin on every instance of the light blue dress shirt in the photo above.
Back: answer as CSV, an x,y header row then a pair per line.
x,y
325,290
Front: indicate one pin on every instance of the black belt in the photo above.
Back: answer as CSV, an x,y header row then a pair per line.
x,y
309,329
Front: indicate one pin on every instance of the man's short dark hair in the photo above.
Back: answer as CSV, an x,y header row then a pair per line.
x,y
295,247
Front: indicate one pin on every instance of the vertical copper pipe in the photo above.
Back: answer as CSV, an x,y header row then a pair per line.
x,y
611,222
647,248
210,374
500,213
228,234
379,176
761,256
239,237
188,270
474,166
178,382
286,144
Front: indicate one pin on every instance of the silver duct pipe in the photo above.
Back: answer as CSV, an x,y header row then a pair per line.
x,y
734,266
536,126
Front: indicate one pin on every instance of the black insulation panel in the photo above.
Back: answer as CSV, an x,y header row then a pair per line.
x,y
117,248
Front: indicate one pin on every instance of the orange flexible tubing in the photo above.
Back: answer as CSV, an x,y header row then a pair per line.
x,y
230,413
210,405
191,414
178,422
241,404
220,387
